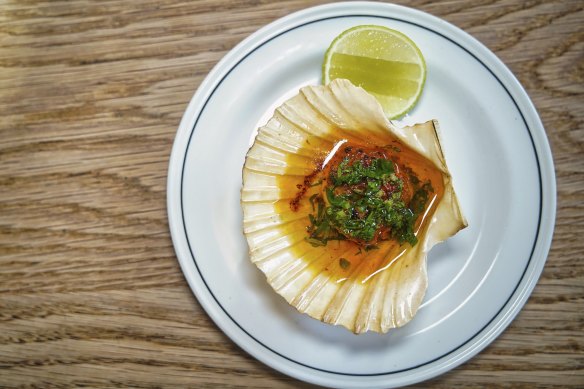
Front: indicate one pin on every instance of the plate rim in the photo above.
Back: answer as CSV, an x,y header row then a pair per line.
x,y
546,174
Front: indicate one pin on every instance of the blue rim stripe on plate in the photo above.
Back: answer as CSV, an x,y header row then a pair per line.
x,y
536,238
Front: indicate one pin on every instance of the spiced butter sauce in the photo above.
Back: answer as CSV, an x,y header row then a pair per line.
x,y
343,259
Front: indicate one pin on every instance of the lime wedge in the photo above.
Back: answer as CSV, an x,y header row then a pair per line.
x,y
384,62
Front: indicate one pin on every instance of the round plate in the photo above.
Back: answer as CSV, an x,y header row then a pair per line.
x,y
496,150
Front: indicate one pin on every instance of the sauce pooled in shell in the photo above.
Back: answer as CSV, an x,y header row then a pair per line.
x,y
363,205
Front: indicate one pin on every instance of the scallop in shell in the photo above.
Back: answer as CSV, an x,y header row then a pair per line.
x,y
366,278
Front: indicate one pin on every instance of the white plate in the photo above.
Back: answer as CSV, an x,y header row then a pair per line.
x,y
497,152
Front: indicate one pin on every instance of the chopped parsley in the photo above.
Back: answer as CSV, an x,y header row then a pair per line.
x,y
364,204
344,263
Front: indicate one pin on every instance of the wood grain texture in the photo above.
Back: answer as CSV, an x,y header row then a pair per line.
x,y
91,94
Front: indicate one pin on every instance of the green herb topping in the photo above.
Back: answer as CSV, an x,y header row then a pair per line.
x,y
344,263
364,204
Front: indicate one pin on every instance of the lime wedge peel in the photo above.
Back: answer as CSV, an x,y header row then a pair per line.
x,y
384,62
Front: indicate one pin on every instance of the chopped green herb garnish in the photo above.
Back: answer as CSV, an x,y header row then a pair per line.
x,y
316,242
363,203
320,231
344,263
317,183
355,173
362,207
312,199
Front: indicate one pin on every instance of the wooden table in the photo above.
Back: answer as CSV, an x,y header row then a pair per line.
x,y
91,94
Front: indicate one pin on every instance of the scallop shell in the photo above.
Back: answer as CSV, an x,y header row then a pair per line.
x,y
314,282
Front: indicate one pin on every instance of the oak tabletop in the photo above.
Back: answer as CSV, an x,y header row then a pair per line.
x,y
91,95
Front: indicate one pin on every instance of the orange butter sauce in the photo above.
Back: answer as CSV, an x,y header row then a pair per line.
x,y
343,259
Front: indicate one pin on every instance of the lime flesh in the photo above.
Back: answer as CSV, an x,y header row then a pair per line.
x,y
384,62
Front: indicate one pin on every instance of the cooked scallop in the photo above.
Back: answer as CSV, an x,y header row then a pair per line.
x,y
340,207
